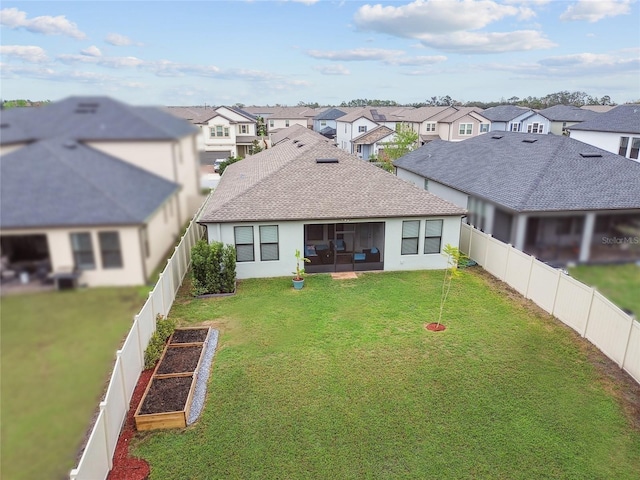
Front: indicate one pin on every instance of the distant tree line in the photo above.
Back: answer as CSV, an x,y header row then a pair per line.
x,y
22,103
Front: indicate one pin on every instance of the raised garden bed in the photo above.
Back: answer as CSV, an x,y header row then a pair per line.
x,y
167,398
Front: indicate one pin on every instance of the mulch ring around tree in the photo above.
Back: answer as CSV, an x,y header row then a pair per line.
x,y
434,327
126,467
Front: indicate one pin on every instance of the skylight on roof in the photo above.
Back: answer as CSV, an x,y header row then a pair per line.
x,y
497,137
591,155
530,140
327,160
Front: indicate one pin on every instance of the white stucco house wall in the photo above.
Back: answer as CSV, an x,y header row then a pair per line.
x,y
343,213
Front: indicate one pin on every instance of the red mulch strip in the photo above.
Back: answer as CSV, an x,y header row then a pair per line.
x,y
126,467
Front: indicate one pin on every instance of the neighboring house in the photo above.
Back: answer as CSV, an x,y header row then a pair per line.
x,y
552,196
373,142
325,122
93,184
230,131
343,213
616,131
277,118
511,118
458,123
563,117
446,123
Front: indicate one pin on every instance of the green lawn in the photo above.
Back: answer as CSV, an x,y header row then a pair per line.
x,y
57,352
619,283
342,381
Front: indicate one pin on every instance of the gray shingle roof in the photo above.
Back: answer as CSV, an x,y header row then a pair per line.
x,y
567,113
57,182
285,183
92,118
622,119
549,174
504,113
373,136
330,114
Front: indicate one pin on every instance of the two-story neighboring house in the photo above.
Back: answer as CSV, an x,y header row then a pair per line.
x,y
229,131
511,118
94,188
458,123
563,117
325,122
277,118
616,131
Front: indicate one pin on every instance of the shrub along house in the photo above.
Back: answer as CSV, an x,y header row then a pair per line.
x,y
343,213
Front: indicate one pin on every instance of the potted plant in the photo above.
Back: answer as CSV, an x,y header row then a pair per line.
x,y
298,279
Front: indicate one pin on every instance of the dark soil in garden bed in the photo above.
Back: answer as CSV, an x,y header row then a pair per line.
x,y
166,395
180,360
190,335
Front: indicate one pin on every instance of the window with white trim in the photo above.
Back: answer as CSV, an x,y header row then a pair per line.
x,y
286,123
484,127
269,243
271,123
629,147
110,251
410,236
635,148
82,249
243,237
426,184
514,127
219,131
430,126
433,236
624,144
323,123
465,129
244,128
535,127
362,129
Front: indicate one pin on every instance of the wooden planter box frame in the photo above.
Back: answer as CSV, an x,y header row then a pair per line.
x,y
176,419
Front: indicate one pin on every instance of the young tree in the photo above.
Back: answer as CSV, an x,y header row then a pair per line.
x,y
455,258
404,142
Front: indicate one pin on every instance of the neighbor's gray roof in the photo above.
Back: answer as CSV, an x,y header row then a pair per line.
x,y
286,183
292,132
330,114
61,183
549,174
622,119
504,113
567,113
92,118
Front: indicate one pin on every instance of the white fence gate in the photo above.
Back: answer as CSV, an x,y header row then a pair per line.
x,y
582,308
97,458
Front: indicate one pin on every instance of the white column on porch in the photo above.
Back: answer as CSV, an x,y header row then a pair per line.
x,y
587,236
520,231
489,213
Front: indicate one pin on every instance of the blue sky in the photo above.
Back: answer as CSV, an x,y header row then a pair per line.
x,y
283,52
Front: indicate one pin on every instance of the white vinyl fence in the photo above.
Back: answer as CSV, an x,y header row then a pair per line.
x,y
582,308
97,458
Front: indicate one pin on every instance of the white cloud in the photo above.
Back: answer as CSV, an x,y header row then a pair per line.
x,y
119,40
332,70
595,10
416,61
47,25
355,55
26,53
432,16
452,25
109,62
92,51
472,42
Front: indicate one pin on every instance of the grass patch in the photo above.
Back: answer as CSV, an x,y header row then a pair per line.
x,y
341,380
57,352
619,283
